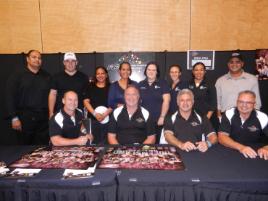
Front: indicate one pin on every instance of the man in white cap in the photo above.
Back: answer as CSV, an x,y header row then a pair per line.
x,y
68,80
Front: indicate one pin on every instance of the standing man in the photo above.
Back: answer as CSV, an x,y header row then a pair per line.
x,y
69,80
65,127
131,123
236,80
243,126
186,129
26,98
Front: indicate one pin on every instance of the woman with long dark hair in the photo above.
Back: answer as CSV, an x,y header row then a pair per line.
x,y
95,97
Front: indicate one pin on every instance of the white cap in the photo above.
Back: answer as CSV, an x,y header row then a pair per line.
x,y
69,56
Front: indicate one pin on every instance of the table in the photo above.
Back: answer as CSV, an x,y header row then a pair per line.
x,y
48,185
219,174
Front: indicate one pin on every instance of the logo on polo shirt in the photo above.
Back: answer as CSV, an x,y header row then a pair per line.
x,y
177,89
194,123
191,86
157,87
252,128
203,87
142,87
139,120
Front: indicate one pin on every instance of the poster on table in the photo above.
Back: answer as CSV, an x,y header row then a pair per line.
x,y
137,61
262,64
142,157
59,157
207,57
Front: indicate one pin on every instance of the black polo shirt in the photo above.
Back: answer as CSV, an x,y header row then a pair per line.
x,y
188,130
205,98
62,82
152,96
134,129
62,124
251,131
27,91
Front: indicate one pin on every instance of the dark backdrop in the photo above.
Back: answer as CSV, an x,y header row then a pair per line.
x,y
88,61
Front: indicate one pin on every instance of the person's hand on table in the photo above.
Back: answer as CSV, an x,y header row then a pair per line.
x,y
82,140
248,152
188,146
202,146
263,153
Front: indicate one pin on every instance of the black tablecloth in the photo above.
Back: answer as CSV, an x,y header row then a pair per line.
x,y
219,174
48,184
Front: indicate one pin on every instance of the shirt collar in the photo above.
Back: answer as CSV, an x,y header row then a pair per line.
x,y
242,76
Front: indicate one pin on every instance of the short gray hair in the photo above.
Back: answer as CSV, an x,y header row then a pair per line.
x,y
252,93
186,91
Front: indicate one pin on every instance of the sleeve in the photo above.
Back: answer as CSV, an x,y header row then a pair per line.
x,y
150,126
53,83
54,128
168,124
255,89
212,97
87,92
207,127
225,125
112,125
219,94
165,88
12,86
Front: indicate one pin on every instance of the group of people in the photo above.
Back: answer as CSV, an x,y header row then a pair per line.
x,y
139,113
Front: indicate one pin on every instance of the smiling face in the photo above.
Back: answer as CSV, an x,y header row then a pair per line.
x,y
174,73
199,72
125,71
70,102
246,103
132,97
101,75
185,102
151,72
34,60
235,65
70,65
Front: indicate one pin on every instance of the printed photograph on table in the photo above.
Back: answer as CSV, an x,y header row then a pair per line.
x,y
146,157
59,157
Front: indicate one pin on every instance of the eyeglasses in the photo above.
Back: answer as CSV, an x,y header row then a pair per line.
x,y
245,102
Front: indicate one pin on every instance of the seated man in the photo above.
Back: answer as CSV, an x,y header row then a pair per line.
x,y
244,126
65,127
186,129
131,123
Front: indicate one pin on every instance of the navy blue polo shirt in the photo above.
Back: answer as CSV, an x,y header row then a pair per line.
x,y
173,107
152,96
191,129
250,131
134,129
64,125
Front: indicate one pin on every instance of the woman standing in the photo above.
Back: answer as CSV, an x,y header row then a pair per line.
x,y
205,99
96,95
155,95
176,86
116,91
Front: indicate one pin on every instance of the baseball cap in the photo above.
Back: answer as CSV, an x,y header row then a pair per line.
x,y
236,55
69,56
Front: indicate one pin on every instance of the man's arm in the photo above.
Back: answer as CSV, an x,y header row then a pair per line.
x,y
112,139
171,139
227,141
164,109
149,140
58,140
52,101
